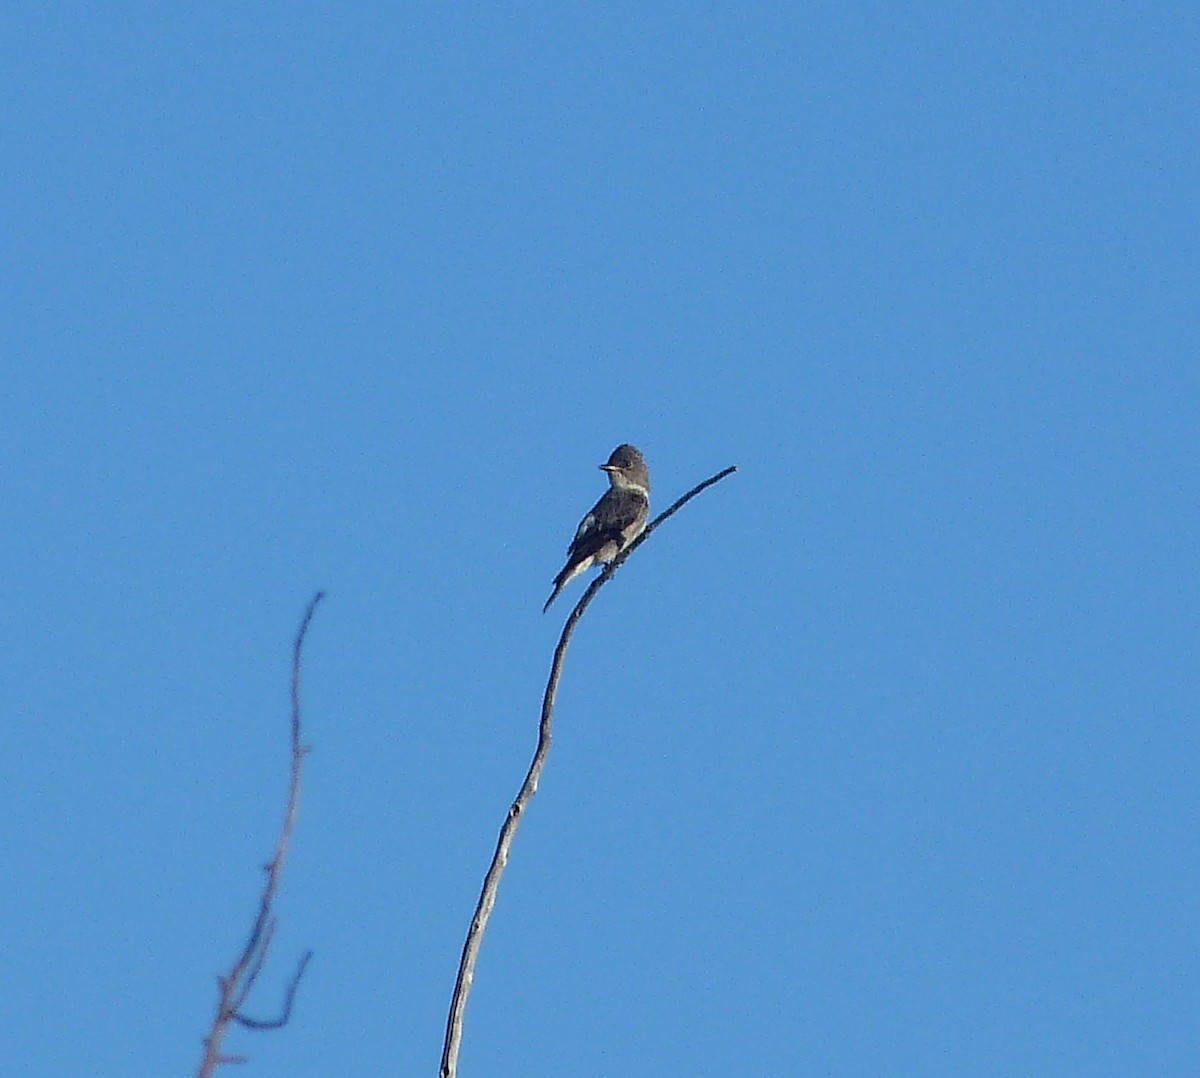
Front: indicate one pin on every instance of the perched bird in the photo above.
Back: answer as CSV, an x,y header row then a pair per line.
x,y
614,522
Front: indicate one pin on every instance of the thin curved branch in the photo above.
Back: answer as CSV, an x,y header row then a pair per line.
x,y
288,1000
237,983
491,882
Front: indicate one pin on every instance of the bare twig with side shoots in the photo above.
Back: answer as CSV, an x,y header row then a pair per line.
x,y
491,882
235,986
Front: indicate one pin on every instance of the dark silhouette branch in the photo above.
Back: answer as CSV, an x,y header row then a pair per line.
x,y
289,998
491,882
235,986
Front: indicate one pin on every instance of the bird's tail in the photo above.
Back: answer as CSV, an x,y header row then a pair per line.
x,y
569,572
558,586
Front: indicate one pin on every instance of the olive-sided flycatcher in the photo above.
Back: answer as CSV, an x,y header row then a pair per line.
x,y
614,522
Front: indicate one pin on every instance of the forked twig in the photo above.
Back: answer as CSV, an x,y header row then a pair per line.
x,y
491,882
235,986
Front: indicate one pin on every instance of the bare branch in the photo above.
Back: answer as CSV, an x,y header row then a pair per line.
x,y
235,986
288,999
260,959
491,882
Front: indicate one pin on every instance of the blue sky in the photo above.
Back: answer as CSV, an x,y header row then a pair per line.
x,y
880,758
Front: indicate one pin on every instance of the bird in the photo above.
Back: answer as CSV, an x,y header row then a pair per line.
x,y
614,522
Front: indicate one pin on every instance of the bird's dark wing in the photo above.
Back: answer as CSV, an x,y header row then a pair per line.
x,y
618,514
604,523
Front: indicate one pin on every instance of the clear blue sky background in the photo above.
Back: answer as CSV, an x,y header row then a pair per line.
x,y
880,758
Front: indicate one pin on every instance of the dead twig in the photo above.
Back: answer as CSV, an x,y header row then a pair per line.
x,y
235,986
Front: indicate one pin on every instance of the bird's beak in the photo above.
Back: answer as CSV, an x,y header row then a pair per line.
x,y
610,468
